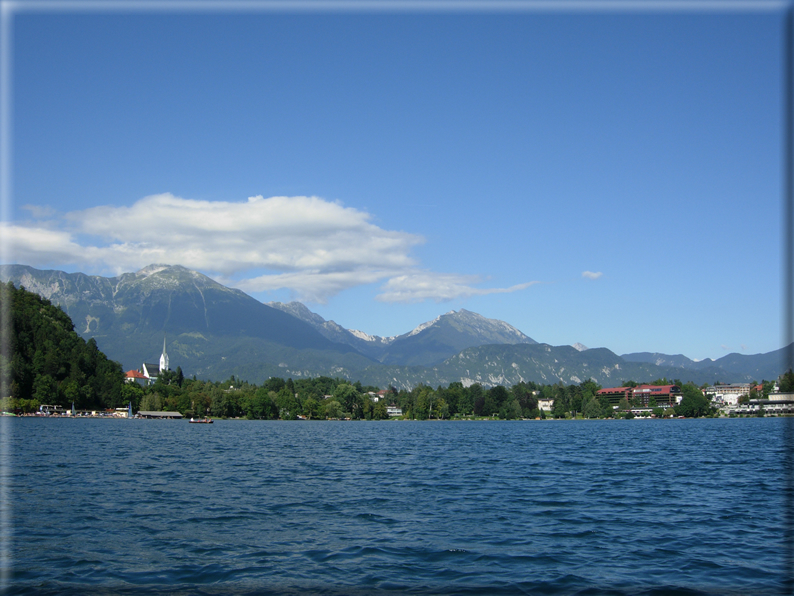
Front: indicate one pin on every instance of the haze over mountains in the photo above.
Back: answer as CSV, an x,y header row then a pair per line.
x,y
214,332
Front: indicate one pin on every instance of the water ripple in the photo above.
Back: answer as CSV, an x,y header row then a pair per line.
x,y
596,508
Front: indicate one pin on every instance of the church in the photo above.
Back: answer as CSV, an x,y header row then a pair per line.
x,y
152,371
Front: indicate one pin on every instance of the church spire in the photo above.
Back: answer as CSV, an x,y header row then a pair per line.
x,y
164,357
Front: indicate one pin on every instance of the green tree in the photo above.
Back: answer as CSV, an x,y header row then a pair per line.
x,y
477,399
786,382
693,403
421,408
333,409
287,403
311,408
524,395
592,409
558,409
45,389
347,395
152,402
606,407
379,411
132,393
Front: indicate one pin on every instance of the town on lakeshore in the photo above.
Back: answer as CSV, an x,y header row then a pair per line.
x,y
630,402
56,373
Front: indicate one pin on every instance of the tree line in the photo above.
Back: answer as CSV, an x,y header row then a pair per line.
x,y
321,398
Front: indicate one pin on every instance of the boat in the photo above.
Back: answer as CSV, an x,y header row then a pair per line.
x,y
201,421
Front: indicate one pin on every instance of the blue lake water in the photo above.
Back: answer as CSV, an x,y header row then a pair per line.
x,y
524,507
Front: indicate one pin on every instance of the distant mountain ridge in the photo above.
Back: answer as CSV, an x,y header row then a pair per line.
x,y
758,366
507,365
214,332
429,343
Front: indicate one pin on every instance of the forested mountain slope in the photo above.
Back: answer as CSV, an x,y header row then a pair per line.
x,y
49,362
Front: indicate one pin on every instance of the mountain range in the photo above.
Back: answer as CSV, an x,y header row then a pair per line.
x,y
213,332
429,343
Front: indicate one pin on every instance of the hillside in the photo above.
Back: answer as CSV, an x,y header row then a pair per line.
x,y
50,363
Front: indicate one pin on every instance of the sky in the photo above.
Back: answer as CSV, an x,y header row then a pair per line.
x,y
608,174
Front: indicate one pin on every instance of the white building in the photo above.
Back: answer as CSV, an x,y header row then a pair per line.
x,y
777,404
727,394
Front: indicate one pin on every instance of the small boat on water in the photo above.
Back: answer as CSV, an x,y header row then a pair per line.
x,y
201,421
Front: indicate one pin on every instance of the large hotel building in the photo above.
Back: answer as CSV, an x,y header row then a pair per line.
x,y
665,395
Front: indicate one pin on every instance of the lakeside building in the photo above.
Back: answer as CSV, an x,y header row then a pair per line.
x,y
777,404
546,404
159,415
665,395
727,394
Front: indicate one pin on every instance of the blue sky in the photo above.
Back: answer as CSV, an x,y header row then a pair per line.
x,y
610,177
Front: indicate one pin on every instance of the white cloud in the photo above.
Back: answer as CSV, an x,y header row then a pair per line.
x,y
592,274
314,247
309,285
418,286
279,233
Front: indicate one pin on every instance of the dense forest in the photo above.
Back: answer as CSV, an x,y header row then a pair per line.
x,y
50,363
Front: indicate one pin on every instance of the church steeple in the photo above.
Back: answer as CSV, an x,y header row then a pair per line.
x,y
164,358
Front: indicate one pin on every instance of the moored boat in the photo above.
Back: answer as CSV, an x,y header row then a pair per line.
x,y
201,421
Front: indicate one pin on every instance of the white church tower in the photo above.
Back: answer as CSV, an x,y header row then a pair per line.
x,y
164,358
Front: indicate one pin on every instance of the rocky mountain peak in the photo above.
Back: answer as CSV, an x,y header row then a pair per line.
x,y
153,269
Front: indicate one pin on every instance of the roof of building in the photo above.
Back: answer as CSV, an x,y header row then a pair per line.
x,y
640,389
656,388
613,390
134,374
150,414
152,369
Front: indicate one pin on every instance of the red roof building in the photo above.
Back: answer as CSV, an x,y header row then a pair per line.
x,y
642,394
134,376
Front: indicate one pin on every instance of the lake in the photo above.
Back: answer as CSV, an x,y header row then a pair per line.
x,y
519,507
